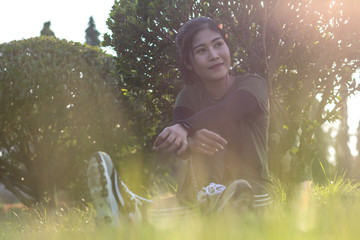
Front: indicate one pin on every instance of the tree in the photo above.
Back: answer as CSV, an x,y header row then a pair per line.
x,y
343,154
304,49
322,169
59,103
92,35
358,141
357,158
46,31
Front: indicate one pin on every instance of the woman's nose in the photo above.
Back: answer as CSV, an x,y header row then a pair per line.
x,y
213,54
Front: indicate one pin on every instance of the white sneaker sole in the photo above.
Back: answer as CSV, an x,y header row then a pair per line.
x,y
99,173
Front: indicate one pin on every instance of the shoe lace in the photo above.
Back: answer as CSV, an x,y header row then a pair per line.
x,y
210,190
135,215
134,197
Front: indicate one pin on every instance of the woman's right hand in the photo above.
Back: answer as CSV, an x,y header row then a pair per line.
x,y
172,139
206,142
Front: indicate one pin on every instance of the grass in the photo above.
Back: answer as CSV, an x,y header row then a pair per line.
x,y
317,212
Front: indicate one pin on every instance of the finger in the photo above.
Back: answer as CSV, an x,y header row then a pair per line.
x,y
212,135
162,137
183,148
165,144
204,148
208,147
209,144
174,145
215,137
216,145
204,151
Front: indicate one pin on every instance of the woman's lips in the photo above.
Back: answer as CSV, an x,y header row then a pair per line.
x,y
216,66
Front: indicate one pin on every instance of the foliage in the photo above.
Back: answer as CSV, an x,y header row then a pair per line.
x,y
336,190
306,75
58,104
305,50
46,31
143,37
92,35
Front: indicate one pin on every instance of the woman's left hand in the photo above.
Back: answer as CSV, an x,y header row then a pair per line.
x,y
206,142
173,138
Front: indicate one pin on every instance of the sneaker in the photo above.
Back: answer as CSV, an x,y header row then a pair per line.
x,y
210,191
208,196
111,197
238,197
105,197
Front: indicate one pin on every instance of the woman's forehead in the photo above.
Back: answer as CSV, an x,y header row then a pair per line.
x,y
205,36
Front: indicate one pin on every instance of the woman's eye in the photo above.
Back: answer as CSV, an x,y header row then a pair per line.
x,y
218,44
200,50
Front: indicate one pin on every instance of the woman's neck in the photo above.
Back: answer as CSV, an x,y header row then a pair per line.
x,y
218,89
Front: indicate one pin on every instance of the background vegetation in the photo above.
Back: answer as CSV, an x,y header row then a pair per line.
x,y
61,101
58,104
306,50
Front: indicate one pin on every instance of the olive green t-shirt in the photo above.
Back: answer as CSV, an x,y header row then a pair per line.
x,y
246,151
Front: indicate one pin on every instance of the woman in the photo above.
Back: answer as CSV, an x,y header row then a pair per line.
x,y
221,127
221,122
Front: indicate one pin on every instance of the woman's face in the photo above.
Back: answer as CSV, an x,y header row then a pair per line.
x,y
210,56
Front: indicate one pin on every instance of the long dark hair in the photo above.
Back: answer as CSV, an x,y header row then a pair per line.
x,y
184,39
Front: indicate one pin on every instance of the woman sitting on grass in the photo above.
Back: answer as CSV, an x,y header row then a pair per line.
x,y
221,130
221,123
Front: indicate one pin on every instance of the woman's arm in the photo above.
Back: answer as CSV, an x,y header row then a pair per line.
x,y
236,106
181,113
175,137
203,140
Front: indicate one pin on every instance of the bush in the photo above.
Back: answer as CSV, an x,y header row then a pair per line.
x,y
59,102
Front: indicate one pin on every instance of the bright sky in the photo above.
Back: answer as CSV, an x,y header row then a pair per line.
x,y
21,19
354,116
69,18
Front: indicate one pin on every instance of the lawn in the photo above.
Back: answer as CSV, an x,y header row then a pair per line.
x,y
317,212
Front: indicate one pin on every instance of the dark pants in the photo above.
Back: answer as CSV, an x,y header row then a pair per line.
x,y
199,171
